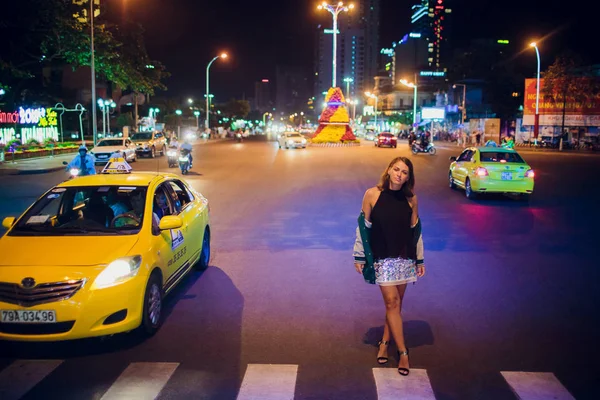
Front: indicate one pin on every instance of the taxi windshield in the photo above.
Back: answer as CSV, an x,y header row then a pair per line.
x,y
500,156
294,135
86,210
110,142
142,136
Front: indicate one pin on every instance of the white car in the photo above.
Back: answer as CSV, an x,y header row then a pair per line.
x,y
105,147
291,139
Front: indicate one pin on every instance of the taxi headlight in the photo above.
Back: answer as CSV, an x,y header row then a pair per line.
x,y
290,141
118,271
303,141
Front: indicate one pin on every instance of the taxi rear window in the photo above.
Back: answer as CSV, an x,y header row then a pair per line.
x,y
500,156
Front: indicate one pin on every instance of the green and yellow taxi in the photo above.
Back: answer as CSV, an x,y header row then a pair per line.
x,y
96,255
491,169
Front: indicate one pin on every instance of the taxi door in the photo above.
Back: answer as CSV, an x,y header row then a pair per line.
x,y
163,240
194,221
463,164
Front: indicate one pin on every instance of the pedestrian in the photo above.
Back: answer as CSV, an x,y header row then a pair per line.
x,y
388,250
478,138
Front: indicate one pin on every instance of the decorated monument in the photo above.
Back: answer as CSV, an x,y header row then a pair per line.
x,y
334,122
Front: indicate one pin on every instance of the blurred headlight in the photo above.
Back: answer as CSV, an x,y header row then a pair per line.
x,y
118,271
171,153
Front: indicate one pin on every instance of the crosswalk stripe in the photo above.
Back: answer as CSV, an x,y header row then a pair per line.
x,y
392,386
536,386
22,375
141,381
269,382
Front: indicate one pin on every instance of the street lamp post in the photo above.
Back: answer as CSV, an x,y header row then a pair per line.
x,y
348,82
415,98
223,55
93,69
536,124
178,112
111,104
197,114
464,96
335,10
373,96
101,105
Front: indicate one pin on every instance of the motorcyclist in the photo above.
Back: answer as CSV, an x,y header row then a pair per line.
x,y
174,144
84,162
187,147
424,140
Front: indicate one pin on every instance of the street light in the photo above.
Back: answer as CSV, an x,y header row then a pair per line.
x,y
373,96
191,101
223,56
464,110
412,85
106,105
197,114
93,70
335,10
536,124
348,82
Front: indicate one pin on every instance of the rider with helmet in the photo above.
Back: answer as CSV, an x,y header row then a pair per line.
x,y
186,148
84,162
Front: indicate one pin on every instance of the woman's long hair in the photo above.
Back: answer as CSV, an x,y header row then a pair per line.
x,y
408,186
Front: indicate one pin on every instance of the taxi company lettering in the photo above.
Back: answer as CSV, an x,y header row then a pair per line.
x,y
23,116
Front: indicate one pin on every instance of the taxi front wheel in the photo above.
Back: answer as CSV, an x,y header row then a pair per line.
x,y
204,260
153,304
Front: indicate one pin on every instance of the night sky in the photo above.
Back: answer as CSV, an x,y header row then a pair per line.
x,y
260,34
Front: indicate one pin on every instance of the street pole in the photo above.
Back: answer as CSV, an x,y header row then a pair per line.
x,y
536,124
376,99
223,55
335,11
93,68
348,82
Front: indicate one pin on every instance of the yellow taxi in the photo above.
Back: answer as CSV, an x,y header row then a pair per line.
x,y
95,255
491,169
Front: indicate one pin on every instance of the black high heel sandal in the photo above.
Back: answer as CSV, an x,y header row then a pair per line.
x,y
403,371
382,360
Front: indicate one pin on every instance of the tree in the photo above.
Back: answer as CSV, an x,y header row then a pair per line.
x,y
566,80
236,108
125,119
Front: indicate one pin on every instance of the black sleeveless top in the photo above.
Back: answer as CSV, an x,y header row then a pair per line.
x,y
391,235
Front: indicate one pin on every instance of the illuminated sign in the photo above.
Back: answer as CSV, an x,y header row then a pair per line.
x,y
388,66
330,31
265,81
503,41
29,123
432,73
433,113
414,35
387,52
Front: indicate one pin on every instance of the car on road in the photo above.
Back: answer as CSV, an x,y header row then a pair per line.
x,y
149,143
491,169
96,255
291,139
386,139
106,147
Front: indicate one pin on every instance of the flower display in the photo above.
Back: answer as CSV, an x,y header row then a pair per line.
x,y
334,120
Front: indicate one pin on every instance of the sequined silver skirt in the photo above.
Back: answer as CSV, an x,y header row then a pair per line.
x,y
395,271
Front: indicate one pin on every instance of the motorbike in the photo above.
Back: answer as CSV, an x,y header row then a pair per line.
x,y
239,138
184,161
172,157
430,148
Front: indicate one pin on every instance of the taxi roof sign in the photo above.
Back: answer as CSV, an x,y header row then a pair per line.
x,y
117,166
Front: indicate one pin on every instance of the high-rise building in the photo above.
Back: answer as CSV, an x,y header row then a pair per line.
x,y
293,90
430,18
262,96
357,54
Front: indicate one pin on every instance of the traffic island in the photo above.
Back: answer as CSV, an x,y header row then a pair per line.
x,y
334,123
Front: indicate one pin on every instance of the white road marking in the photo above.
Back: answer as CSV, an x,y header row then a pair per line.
x,y
536,386
269,382
22,375
141,381
392,386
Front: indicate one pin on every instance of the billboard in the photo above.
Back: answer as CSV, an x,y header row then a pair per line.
x,y
433,113
577,113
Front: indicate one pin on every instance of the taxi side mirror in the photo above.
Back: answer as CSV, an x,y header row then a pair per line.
x,y
452,158
170,222
8,222
65,163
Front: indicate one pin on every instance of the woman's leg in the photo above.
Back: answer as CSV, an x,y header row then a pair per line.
x,y
392,297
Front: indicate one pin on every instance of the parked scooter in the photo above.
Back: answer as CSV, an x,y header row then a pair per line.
x,y
429,148
239,138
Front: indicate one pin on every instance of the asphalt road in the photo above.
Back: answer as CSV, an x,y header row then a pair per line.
x,y
281,312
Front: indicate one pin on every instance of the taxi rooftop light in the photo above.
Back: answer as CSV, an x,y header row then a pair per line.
x,y
117,166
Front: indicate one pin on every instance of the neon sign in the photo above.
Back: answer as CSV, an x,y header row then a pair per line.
x,y
432,73
31,123
387,52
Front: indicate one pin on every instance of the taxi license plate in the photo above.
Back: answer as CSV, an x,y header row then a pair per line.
x,y
28,316
507,176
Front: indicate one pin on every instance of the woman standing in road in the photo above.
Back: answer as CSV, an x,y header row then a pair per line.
x,y
388,249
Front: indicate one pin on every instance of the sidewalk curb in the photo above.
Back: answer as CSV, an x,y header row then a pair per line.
x,y
16,171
